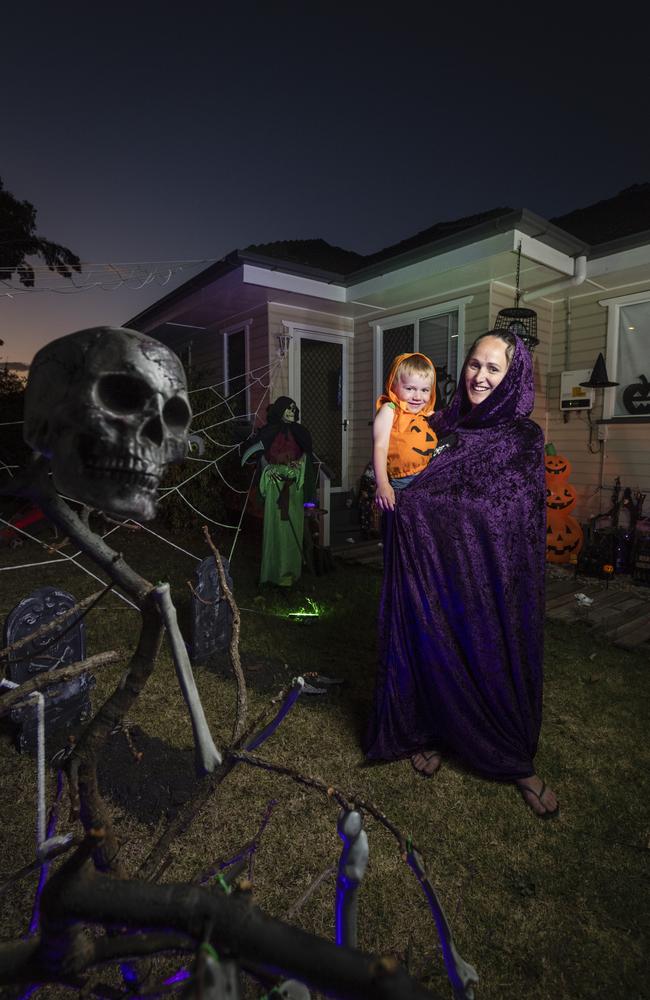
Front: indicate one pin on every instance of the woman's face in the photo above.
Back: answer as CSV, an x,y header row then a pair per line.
x,y
486,367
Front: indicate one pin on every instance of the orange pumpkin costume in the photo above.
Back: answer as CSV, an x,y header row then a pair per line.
x,y
412,441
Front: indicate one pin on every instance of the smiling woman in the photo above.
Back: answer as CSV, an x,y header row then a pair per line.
x,y
461,637
487,363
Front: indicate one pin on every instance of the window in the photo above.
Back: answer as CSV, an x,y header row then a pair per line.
x,y
628,357
437,332
235,355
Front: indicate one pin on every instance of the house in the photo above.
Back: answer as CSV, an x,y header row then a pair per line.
x,y
321,324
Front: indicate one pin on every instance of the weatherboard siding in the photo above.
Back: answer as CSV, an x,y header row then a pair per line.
x,y
579,335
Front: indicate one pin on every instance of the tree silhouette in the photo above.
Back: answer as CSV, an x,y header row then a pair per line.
x,y
19,240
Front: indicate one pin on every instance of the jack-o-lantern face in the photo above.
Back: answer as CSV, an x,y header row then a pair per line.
x,y
429,443
560,496
636,397
558,468
564,537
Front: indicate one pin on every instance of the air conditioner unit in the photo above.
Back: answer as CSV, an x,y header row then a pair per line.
x,y
573,396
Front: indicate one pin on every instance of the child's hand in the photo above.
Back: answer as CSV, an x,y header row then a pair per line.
x,y
385,497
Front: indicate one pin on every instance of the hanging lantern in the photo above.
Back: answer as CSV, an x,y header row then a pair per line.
x,y
521,322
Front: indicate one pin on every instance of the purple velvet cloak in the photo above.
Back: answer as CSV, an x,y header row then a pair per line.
x,y
462,605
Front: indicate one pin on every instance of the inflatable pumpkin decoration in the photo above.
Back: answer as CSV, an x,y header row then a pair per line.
x,y
564,538
557,467
561,496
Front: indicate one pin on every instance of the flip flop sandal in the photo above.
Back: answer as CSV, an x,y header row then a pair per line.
x,y
429,755
550,813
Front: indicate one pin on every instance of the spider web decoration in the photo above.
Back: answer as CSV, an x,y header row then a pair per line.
x,y
209,487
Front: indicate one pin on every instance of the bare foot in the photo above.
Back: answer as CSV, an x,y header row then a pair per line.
x,y
426,763
538,797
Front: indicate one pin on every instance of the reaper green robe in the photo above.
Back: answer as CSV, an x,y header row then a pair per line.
x,y
281,486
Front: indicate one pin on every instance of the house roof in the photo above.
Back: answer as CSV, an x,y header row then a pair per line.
x,y
310,253
625,215
610,225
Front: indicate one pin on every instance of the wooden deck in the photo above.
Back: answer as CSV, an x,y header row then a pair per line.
x,y
618,615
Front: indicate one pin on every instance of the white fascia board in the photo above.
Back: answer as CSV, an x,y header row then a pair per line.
x,y
531,248
542,253
622,261
253,275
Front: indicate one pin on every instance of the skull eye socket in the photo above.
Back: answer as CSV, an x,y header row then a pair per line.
x,y
122,393
176,414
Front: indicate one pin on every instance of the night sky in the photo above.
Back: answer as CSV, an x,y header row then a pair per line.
x,y
145,133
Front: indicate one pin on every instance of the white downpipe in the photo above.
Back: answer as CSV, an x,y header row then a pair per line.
x,y
578,277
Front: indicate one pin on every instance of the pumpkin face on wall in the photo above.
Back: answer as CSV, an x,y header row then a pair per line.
x,y
558,468
636,397
560,496
564,537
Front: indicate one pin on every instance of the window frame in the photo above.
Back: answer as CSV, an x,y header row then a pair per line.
x,y
613,306
414,316
227,333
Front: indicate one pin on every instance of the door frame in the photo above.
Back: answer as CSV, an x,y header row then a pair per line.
x,y
303,331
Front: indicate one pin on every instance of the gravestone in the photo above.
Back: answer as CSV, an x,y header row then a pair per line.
x,y
66,704
211,614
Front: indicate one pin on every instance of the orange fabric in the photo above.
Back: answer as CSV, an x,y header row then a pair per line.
x,y
412,440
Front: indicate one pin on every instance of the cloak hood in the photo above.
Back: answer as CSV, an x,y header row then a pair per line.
x,y
513,398
389,396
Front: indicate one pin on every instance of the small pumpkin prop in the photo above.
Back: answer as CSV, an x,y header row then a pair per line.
x,y
557,467
636,397
561,496
564,537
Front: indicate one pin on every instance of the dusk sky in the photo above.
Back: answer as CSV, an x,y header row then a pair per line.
x,y
146,133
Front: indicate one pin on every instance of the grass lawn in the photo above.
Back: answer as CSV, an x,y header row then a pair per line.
x,y
542,910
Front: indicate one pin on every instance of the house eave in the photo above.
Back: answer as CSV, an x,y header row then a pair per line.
x,y
224,266
527,222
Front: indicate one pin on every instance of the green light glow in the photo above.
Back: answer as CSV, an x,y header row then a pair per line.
x,y
312,611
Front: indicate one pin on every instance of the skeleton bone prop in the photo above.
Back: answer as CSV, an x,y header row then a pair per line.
x,y
352,867
108,407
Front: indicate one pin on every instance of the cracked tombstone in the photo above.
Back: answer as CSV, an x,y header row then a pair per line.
x,y
211,617
66,704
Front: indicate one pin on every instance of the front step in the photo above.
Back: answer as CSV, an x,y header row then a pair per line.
x,y
366,553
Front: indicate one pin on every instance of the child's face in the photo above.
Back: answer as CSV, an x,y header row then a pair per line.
x,y
414,390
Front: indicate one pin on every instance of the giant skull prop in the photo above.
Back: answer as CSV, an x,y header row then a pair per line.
x,y
109,407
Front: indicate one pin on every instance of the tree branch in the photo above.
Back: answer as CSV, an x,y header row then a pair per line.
x,y
242,703
237,927
43,680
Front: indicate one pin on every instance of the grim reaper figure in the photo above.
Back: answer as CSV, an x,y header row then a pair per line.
x,y
286,483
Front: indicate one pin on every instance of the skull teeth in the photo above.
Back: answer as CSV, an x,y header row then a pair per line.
x,y
124,471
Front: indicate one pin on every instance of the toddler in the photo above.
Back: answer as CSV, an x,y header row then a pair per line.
x,y
403,441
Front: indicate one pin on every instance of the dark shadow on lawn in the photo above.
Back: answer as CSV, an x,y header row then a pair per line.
x,y
152,787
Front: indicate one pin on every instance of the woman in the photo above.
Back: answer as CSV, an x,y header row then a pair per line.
x,y
462,608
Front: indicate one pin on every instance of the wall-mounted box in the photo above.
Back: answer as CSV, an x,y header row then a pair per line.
x,y
572,395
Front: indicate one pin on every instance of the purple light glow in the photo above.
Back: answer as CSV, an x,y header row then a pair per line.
x,y
288,703
51,830
178,977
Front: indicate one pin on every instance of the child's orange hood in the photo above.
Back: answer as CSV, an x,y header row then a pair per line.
x,y
390,397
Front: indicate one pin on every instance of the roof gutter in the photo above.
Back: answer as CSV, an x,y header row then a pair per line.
x,y
578,277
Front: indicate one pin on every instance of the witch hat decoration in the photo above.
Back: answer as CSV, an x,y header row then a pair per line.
x,y
599,378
